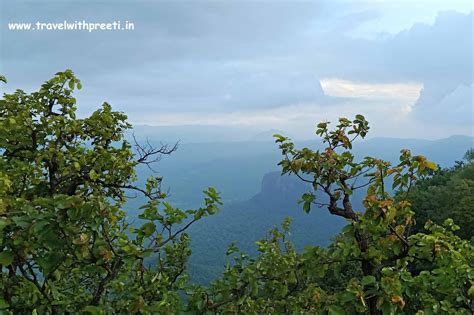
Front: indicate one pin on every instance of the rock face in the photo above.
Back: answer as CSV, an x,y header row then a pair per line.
x,y
250,220
285,191
281,188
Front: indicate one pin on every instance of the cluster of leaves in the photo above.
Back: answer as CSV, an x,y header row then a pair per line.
x,y
65,244
449,193
376,265
324,281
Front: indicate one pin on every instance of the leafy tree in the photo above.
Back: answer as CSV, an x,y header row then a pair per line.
x,y
449,193
65,244
374,266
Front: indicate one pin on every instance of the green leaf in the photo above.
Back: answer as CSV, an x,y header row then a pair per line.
x,y
3,223
77,166
470,292
148,228
93,175
307,207
6,258
93,310
3,304
368,280
49,262
279,138
336,310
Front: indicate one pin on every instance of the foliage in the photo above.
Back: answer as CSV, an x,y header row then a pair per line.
x,y
449,193
384,267
65,244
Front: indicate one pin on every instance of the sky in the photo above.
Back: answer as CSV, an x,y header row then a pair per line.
x,y
406,65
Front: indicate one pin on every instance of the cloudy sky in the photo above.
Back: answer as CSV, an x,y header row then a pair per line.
x,y
405,65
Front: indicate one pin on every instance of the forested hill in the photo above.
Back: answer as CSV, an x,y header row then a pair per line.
x,y
247,221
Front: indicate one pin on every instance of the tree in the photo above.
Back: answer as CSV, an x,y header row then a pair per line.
x,y
375,265
449,193
65,244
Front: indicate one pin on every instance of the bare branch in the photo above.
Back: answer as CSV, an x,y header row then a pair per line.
x,y
148,154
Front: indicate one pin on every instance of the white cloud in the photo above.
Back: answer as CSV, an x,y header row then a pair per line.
x,y
298,119
400,15
406,92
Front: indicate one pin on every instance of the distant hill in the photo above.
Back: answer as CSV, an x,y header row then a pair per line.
x,y
196,133
443,151
236,168
267,135
249,221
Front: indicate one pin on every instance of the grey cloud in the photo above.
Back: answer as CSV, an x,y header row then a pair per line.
x,y
226,56
175,56
442,51
446,104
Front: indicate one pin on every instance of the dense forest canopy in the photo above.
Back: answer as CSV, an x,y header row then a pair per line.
x,y
449,193
67,246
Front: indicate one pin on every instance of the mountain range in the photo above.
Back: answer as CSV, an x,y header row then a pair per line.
x,y
256,197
